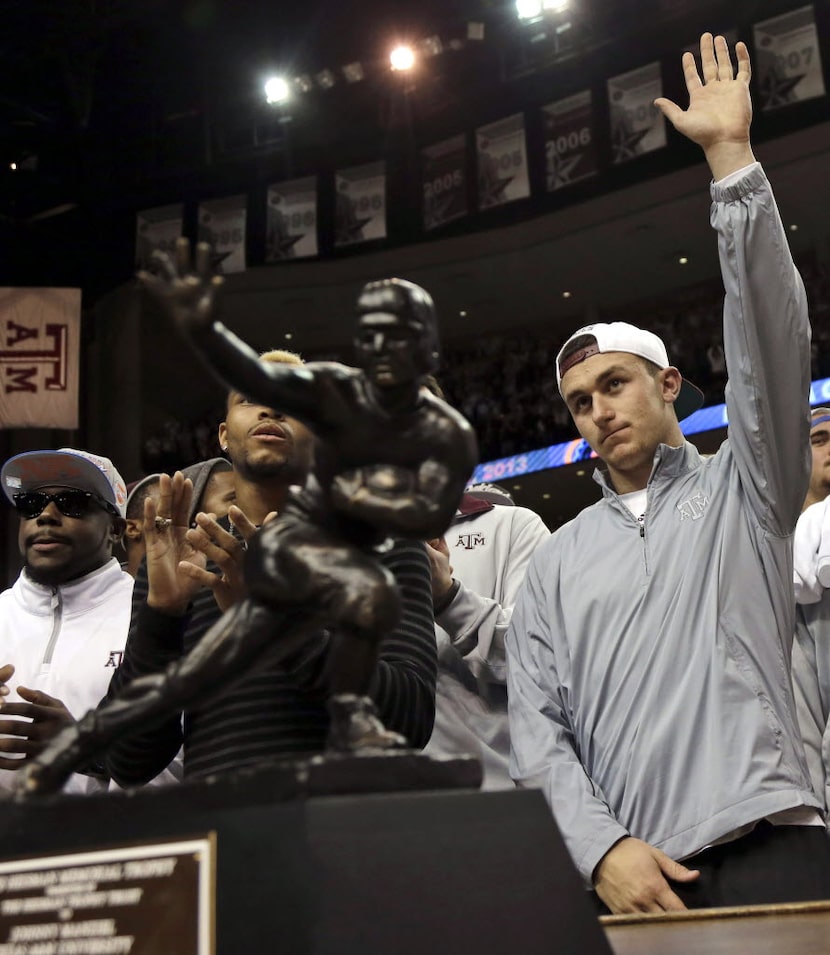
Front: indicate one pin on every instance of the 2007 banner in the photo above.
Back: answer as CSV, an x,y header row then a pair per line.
x,y
788,64
637,126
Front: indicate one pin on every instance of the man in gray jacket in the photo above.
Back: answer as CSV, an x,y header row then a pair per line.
x,y
648,654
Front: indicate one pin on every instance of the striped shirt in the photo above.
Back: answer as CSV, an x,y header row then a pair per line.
x,y
273,710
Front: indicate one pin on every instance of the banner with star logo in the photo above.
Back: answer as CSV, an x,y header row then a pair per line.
x,y
501,152
222,226
40,335
444,181
157,228
360,209
637,126
570,145
291,220
788,59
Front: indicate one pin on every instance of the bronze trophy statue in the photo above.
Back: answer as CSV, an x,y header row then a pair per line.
x,y
390,460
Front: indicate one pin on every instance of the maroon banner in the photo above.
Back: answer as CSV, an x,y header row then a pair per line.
x,y
40,334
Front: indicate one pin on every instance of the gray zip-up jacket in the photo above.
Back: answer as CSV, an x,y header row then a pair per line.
x,y
811,681
648,668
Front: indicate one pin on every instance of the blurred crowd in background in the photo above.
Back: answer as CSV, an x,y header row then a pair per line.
x,y
505,385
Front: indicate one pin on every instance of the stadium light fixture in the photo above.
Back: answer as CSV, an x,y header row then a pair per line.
x,y
402,58
326,79
353,72
277,90
431,46
529,9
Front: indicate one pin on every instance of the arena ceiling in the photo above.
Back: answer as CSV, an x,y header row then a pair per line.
x,y
85,85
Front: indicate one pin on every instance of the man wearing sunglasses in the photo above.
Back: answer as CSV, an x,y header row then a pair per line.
x,y
64,622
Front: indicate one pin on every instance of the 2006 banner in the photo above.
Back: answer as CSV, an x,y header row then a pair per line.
x,y
570,144
444,181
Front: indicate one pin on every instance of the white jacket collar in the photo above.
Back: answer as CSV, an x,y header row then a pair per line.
x,y
77,596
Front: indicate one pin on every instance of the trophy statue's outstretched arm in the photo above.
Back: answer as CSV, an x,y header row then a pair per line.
x,y
187,292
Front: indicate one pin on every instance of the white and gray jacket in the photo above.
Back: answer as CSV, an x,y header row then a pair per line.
x,y
811,649
489,552
649,667
66,641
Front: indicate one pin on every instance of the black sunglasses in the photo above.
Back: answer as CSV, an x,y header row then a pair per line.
x,y
71,503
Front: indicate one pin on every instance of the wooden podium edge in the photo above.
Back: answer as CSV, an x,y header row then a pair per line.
x,y
729,911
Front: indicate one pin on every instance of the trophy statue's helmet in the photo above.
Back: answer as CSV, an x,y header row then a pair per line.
x,y
413,307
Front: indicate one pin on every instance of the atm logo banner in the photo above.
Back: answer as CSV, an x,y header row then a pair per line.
x,y
40,331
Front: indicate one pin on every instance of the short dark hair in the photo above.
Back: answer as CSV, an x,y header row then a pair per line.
x,y
135,506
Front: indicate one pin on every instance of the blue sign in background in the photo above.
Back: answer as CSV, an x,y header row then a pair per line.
x,y
569,452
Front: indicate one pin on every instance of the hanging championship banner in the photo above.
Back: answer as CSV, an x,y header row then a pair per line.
x,y
570,147
360,212
292,220
40,333
788,60
222,226
637,126
502,162
444,181
157,229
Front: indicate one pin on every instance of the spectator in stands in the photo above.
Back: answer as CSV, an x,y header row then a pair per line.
x,y
133,540
214,489
820,449
63,624
649,648
477,568
213,492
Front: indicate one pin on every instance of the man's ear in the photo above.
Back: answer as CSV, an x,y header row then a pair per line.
x,y
118,529
223,431
670,382
133,529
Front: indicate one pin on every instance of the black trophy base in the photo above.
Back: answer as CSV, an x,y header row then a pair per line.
x,y
323,857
